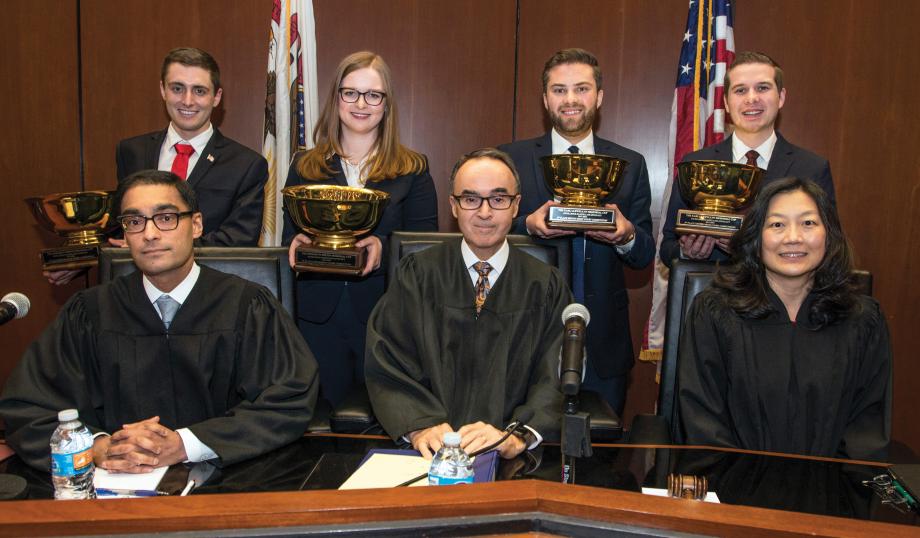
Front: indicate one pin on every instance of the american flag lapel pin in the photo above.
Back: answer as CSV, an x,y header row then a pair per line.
x,y
210,157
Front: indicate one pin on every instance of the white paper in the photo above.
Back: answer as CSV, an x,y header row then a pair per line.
x,y
711,496
142,481
387,471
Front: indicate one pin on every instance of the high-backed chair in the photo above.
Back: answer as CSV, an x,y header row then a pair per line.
x,y
266,266
355,413
686,280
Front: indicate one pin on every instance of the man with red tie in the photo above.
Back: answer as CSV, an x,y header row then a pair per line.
x,y
754,95
227,177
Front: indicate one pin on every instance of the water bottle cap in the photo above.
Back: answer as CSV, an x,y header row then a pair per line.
x,y
452,438
68,414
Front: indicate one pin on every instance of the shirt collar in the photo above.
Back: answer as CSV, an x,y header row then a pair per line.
x,y
765,150
561,145
498,261
180,292
198,142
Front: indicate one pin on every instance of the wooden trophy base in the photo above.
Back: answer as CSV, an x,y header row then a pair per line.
x,y
571,217
707,223
68,258
343,261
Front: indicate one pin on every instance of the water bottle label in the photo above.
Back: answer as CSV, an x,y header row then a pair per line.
x,y
71,464
445,481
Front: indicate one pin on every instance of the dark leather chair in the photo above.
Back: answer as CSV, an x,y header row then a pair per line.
x,y
355,413
686,280
266,266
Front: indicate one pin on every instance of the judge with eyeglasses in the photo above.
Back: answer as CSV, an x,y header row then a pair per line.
x,y
467,336
175,362
356,143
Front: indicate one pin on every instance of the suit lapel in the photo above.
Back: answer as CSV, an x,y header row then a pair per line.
x,y
723,150
542,148
339,177
781,160
152,150
209,156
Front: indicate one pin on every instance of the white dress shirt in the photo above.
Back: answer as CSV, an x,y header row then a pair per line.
x,y
168,150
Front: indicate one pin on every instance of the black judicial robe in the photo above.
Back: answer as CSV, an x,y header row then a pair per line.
x,y
233,369
430,360
782,386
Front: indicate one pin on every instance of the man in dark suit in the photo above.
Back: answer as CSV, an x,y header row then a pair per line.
x,y
572,95
228,177
754,95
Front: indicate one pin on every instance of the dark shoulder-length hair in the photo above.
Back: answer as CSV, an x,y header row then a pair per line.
x,y
744,277
389,158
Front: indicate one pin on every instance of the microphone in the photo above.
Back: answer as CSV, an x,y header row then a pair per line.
x,y
13,306
575,317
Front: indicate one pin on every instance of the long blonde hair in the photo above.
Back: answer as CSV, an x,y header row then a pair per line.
x,y
389,158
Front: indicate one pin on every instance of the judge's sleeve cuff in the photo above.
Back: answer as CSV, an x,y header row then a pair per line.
x,y
100,434
195,450
537,438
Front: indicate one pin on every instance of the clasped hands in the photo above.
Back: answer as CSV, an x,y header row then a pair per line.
x,y
699,247
472,437
140,447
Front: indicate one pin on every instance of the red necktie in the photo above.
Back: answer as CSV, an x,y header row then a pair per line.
x,y
180,163
752,157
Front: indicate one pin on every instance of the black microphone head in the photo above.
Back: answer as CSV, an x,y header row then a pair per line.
x,y
18,300
576,309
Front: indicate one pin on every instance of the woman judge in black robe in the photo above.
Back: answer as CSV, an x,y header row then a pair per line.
x,y
780,353
356,143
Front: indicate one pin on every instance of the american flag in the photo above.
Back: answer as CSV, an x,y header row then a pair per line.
x,y
697,120
291,105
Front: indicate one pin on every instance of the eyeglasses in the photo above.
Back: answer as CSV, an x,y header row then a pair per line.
x,y
371,97
474,201
164,222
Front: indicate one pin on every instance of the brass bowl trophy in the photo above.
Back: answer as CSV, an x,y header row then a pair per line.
x,y
82,218
334,217
717,191
580,182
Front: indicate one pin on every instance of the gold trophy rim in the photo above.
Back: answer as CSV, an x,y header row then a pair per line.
x,y
336,240
87,234
715,204
576,196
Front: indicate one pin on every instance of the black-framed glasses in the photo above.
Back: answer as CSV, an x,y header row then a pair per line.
x,y
371,97
164,222
474,201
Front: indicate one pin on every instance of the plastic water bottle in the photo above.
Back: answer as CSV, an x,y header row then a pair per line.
x,y
451,465
72,466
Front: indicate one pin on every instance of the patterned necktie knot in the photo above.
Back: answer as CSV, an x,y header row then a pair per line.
x,y
482,285
752,157
573,149
168,308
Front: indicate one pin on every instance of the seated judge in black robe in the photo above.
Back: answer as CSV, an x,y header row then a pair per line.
x,y
434,364
781,354
231,377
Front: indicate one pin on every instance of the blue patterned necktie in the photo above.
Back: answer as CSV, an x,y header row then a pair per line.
x,y
578,259
168,307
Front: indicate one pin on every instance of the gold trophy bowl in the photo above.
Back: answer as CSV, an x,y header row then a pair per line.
x,y
581,182
334,217
718,192
82,218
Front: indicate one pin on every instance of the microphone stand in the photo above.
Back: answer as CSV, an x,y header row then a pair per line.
x,y
576,437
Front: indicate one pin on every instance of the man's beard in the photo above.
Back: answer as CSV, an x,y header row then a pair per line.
x,y
565,125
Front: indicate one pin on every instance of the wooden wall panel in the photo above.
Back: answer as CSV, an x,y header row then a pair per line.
x,y
453,67
40,152
123,45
